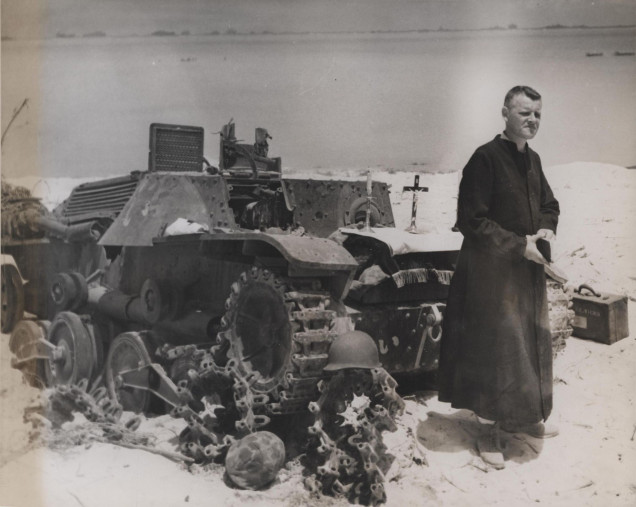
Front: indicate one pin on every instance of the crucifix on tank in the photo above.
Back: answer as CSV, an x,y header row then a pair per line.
x,y
416,189
367,219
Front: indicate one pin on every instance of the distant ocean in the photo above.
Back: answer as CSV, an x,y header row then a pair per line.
x,y
420,101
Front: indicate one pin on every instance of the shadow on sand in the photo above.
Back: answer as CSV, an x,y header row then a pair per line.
x,y
459,431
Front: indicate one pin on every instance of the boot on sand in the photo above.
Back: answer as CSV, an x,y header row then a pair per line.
x,y
490,448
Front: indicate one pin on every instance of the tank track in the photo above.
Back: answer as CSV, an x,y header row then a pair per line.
x,y
312,336
347,456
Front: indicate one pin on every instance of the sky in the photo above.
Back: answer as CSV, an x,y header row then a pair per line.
x,y
45,18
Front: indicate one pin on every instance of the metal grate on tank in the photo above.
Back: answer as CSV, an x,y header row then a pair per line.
x,y
175,148
106,199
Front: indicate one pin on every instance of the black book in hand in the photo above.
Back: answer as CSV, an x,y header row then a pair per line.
x,y
543,246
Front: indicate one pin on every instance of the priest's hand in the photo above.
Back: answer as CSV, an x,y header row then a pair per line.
x,y
532,252
546,234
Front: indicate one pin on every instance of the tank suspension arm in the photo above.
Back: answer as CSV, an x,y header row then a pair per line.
x,y
153,378
43,349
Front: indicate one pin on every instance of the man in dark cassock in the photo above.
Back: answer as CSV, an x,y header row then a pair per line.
x,y
496,350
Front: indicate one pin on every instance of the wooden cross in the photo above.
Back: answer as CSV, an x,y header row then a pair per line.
x,y
416,189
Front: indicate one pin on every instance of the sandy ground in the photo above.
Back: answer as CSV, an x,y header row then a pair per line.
x,y
592,462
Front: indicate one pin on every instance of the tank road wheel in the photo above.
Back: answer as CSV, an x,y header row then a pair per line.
x,y
128,351
12,298
72,355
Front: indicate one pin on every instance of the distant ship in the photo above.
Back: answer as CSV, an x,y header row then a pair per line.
x,y
593,54
624,53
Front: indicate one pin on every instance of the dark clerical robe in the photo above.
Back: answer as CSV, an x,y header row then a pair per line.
x,y
496,349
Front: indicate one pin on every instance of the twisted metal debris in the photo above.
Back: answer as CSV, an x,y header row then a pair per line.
x,y
59,405
103,421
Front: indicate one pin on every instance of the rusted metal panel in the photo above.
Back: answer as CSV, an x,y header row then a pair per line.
x,y
162,198
311,252
407,338
301,251
321,207
224,254
185,264
387,291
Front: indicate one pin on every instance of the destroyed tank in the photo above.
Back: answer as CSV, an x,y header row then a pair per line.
x,y
227,284
35,247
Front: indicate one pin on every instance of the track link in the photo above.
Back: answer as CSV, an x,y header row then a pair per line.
x,y
312,335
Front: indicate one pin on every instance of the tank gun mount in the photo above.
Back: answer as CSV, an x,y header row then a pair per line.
x,y
242,160
179,148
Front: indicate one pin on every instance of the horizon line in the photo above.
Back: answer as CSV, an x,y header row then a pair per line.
x,y
98,34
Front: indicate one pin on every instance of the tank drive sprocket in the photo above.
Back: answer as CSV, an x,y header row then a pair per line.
x,y
275,340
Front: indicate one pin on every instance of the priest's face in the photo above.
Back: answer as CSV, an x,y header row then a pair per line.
x,y
522,117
